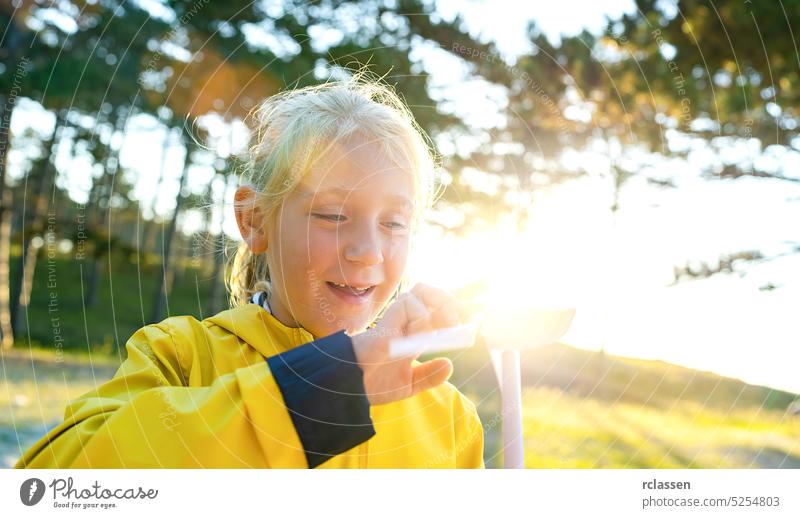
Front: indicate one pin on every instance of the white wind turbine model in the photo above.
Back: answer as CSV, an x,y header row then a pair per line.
x,y
507,331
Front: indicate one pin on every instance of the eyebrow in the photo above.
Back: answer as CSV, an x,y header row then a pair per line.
x,y
342,193
309,193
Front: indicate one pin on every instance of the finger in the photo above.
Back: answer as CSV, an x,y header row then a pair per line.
x,y
417,315
445,316
433,298
399,313
430,374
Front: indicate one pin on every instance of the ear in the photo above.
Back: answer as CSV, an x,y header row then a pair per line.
x,y
250,218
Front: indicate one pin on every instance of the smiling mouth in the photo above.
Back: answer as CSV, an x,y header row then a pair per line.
x,y
353,291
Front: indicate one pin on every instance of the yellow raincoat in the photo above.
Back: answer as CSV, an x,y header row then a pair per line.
x,y
195,394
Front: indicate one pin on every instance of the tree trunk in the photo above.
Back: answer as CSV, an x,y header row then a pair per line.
x,y
14,41
162,292
20,296
104,193
6,335
178,271
197,248
93,215
215,302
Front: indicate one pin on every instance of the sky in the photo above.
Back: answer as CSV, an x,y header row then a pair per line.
x,y
617,274
505,21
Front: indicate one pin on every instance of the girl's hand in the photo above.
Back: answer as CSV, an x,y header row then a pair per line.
x,y
422,309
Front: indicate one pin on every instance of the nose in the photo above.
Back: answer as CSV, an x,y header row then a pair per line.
x,y
363,246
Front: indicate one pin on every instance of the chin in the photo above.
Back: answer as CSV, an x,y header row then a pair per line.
x,y
354,328
352,322
327,328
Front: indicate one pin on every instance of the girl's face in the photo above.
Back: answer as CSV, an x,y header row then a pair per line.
x,y
338,245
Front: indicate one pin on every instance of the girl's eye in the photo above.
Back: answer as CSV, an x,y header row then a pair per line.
x,y
338,218
395,225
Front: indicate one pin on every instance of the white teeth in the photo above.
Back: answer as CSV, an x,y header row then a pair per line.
x,y
351,287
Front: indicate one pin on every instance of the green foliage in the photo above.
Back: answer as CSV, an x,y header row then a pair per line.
x,y
123,305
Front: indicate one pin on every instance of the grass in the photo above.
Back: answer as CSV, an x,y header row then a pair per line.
x,y
565,431
35,386
585,409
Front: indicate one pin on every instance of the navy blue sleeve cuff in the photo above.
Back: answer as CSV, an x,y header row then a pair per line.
x,y
323,389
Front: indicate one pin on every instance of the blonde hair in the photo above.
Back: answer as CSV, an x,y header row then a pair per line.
x,y
292,129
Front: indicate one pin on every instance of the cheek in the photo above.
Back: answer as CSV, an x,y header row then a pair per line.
x,y
320,248
396,256
290,253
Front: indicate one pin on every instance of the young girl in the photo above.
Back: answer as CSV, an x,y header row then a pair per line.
x,y
297,373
